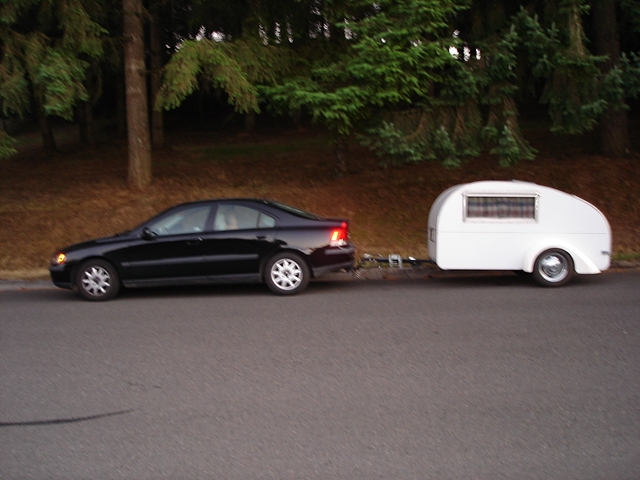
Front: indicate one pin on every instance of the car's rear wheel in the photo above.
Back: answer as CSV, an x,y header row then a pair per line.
x,y
553,268
286,273
97,280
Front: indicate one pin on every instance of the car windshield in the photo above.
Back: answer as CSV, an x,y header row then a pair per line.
x,y
294,210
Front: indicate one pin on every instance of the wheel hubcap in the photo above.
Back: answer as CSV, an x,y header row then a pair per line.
x,y
96,281
286,274
554,268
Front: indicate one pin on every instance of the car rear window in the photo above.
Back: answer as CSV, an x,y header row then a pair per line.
x,y
294,210
239,217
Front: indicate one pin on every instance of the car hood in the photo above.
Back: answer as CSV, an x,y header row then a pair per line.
x,y
97,242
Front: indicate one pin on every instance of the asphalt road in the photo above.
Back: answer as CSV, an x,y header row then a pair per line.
x,y
479,377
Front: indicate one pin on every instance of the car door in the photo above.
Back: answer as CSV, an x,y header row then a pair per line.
x,y
241,236
171,248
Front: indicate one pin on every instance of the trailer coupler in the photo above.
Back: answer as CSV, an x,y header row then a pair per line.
x,y
393,261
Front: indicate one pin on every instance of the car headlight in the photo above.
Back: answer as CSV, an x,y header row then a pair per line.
x,y
59,259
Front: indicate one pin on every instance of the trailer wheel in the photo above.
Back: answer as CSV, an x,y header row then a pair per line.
x,y
553,268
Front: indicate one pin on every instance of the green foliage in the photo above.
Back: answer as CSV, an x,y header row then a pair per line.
x,y
631,14
466,101
389,143
570,72
630,67
45,47
7,145
397,51
386,65
483,91
31,66
508,146
401,50
14,84
10,11
622,82
468,106
340,108
446,133
444,148
80,34
57,77
235,67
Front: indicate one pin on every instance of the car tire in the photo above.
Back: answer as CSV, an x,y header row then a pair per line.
x,y
286,273
97,280
553,268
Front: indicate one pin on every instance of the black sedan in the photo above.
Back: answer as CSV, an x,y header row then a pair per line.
x,y
215,241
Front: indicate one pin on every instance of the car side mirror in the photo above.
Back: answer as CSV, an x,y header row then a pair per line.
x,y
147,234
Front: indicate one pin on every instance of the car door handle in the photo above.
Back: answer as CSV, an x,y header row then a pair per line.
x,y
268,238
194,242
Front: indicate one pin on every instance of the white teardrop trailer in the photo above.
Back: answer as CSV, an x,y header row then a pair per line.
x,y
518,226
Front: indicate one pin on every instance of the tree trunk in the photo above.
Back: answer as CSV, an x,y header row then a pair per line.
x,y
296,116
48,141
614,128
156,61
139,141
250,122
85,123
121,108
340,168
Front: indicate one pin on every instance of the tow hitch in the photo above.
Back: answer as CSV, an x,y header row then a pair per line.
x,y
393,261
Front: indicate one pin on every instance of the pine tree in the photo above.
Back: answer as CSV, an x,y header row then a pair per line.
x,y
45,51
391,56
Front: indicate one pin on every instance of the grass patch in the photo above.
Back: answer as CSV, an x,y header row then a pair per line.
x,y
626,257
251,151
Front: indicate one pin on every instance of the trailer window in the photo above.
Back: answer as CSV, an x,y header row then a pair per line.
x,y
521,207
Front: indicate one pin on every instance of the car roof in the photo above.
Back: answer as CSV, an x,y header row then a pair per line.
x,y
218,200
281,207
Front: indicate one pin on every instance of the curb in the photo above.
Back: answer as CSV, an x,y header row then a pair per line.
x,y
25,285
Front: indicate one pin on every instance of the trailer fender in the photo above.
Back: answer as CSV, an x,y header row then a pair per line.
x,y
581,263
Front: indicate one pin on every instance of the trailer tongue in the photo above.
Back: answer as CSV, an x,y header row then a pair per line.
x,y
394,261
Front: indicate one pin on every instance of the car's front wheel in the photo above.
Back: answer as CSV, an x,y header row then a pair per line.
x,y
286,273
97,280
553,268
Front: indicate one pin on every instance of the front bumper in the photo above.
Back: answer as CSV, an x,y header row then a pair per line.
x,y
61,276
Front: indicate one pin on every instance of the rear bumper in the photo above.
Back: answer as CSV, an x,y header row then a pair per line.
x,y
333,259
319,271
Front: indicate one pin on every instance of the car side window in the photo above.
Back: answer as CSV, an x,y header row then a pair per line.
x,y
238,217
186,220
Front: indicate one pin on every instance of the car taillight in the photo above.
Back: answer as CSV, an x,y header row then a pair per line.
x,y
339,235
